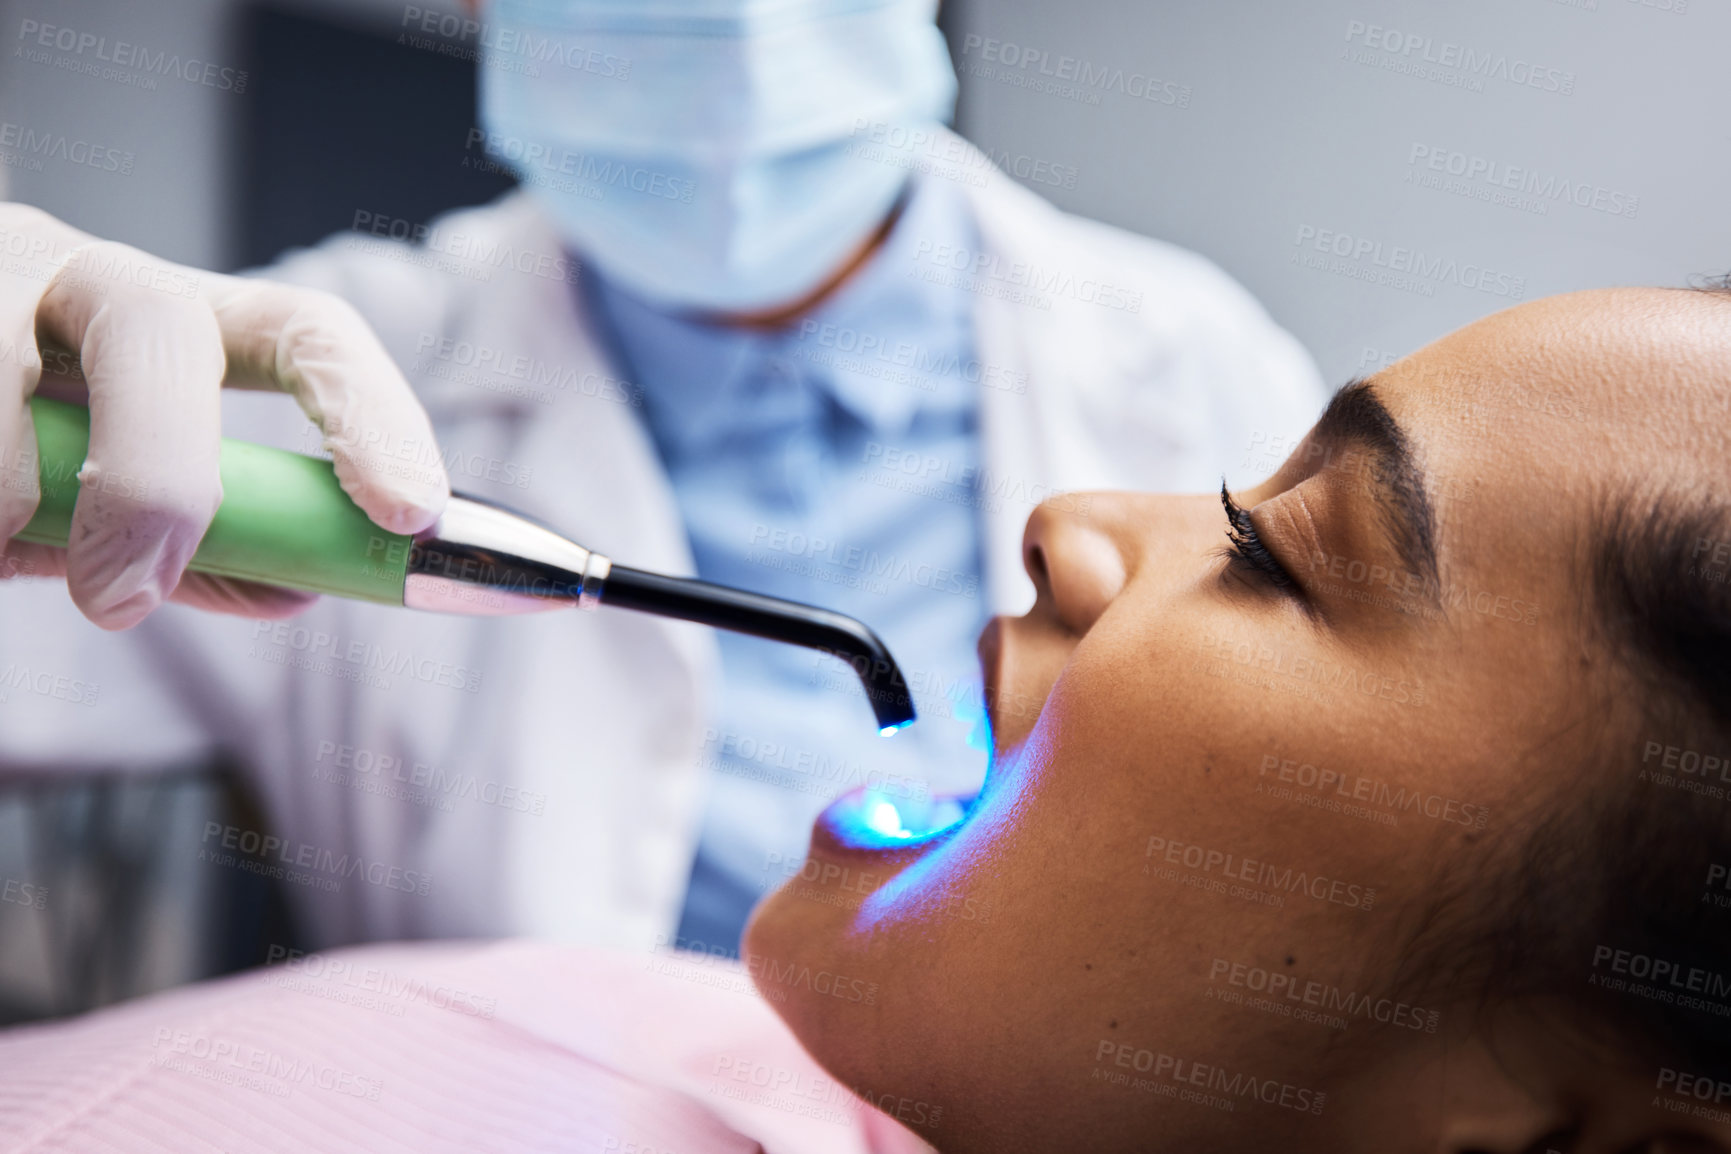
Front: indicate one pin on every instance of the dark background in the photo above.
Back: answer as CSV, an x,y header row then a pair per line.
x,y
346,119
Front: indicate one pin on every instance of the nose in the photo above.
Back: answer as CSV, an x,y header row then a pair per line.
x,y
1076,563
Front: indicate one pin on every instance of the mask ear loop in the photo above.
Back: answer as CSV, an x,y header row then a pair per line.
x,y
775,620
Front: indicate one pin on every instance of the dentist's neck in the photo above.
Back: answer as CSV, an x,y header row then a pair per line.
x,y
783,315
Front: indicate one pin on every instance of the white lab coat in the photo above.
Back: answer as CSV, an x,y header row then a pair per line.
x,y
560,753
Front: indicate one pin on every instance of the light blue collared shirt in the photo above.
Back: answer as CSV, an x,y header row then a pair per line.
x,y
831,463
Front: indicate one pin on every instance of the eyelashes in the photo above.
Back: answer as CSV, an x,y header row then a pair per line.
x,y
1246,549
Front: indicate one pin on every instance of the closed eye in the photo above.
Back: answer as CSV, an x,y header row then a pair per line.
x,y
1246,552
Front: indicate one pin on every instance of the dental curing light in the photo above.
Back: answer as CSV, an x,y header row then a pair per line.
x,y
285,521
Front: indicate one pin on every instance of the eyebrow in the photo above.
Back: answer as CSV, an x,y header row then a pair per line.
x,y
1357,415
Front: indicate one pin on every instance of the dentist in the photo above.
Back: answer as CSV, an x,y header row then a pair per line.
x,y
754,314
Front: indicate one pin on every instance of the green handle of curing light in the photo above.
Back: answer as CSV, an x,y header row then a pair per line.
x,y
284,519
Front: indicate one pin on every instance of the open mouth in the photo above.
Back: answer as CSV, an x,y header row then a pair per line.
x,y
878,820
870,819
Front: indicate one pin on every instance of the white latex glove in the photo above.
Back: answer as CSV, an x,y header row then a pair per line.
x,y
156,342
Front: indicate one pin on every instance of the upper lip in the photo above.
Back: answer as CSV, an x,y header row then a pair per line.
x,y
990,648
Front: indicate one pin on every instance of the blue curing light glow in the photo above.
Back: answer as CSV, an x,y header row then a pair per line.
x,y
980,732
885,820
892,730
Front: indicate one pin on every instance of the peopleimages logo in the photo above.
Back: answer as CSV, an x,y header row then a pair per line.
x,y
355,659
868,563
1070,77
24,147
130,63
273,856
1214,1086
1203,861
479,252
1445,61
1357,787
507,49
923,364
984,272
1288,995
16,678
530,160
1397,266
1513,185
233,1063
825,983
1667,975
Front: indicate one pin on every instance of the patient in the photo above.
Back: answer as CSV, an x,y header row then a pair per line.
x,y
1381,807
1400,822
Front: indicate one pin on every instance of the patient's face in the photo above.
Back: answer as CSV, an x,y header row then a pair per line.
x,y
1223,785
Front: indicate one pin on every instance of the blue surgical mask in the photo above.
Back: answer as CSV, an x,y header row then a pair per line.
x,y
715,155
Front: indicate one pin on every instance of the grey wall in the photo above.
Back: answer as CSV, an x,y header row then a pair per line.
x,y
1266,124
1269,124
172,133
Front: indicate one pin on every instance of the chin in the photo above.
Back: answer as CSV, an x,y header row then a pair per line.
x,y
795,954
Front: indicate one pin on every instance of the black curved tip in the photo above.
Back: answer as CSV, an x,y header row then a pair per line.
x,y
776,620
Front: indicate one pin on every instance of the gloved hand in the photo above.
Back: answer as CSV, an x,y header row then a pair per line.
x,y
155,342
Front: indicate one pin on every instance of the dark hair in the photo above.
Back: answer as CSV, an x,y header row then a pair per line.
x,y
1630,857
1627,864
1659,841
1625,861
